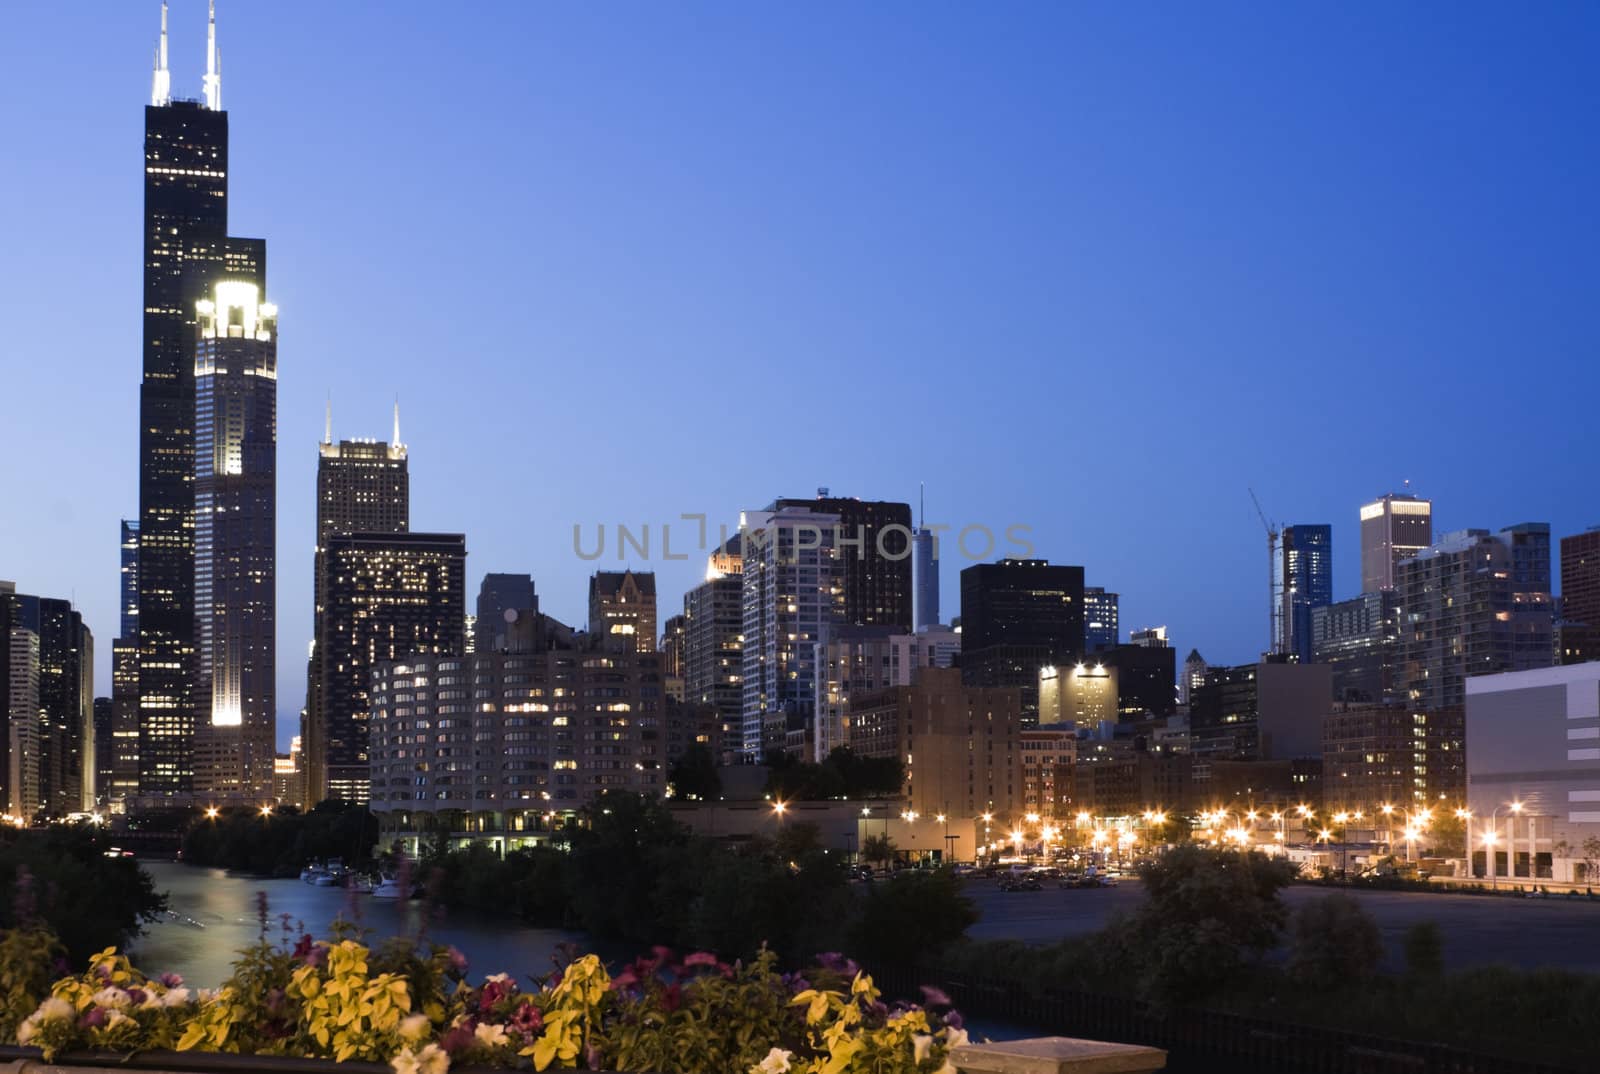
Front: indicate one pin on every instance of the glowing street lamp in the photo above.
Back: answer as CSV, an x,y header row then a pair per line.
x,y
212,812
266,811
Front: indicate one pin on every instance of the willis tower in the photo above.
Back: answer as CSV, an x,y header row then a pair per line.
x,y
187,251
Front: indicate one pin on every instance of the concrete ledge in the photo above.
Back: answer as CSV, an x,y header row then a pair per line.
x,y
1057,1055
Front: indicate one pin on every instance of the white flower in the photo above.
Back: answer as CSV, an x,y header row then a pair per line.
x,y
115,1019
55,1009
921,1045
955,1038
113,999
207,995
433,1060
499,978
27,1030
413,1027
948,1068
176,997
405,1062
776,1062
491,1036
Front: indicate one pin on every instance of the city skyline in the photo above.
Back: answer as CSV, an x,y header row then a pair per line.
x,y
364,328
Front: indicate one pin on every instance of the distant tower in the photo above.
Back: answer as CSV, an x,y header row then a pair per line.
x,y
1194,673
1101,629
622,604
1394,527
1302,579
363,486
235,541
925,571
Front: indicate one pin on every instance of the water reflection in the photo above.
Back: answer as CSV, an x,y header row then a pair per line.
x,y
213,915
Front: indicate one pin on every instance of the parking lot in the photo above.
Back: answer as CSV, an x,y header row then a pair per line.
x,y
1478,930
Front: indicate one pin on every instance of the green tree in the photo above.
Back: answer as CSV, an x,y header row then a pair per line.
x,y
910,918
63,880
1209,915
1335,943
694,775
877,850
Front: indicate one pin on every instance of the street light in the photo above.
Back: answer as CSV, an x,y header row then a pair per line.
x,y
266,811
212,812
1490,838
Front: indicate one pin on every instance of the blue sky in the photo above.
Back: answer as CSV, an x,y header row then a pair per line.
x,y
1095,269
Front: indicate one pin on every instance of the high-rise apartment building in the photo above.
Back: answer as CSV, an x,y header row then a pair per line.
x,y
489,747
1100,627
1393,754
1473,603
387,597
1302,579
124,737
48,686
1077,696
363,486
186,249
960,744
1580,597
1394,527
235,541
674,636
497,595
1271,711
872,549
1017,616
1360,639
925,578
855,660
713,646
622,605
792,589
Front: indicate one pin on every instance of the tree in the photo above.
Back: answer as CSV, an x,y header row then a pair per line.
x,y
1209,915
909,918
1336,943
62,879
1591,858
877,850
695,776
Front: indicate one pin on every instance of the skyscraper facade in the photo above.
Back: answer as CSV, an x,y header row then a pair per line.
x,y
363,486
713,645
48,684
1394,527
925,578
1359,638
1302,579
792,589
622,606
872,555
1100,627
235,541
1580,597
124,736
498,594
186,249
1473,603
1017,616
386,597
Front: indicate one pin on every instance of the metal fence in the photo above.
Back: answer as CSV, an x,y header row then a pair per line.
x,y
1204,1040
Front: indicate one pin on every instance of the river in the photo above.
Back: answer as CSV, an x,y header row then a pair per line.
x,y
212,915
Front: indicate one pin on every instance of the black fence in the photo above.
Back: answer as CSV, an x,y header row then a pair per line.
x,y
1201,1040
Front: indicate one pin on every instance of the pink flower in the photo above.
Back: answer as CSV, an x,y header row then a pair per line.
x,y
527,1019
458,961
171,980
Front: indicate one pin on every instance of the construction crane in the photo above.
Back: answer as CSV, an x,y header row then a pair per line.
x,y
1272,556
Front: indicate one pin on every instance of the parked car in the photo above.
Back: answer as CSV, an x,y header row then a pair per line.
x,y
1020,883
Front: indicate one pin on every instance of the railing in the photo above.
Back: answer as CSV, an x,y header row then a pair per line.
x,y
1205,1040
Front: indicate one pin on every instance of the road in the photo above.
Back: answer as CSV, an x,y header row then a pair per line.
x,y
1477,931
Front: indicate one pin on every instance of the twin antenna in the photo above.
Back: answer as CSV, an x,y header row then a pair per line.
x,y
161,81
327,429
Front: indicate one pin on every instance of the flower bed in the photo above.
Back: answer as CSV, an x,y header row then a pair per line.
x,y
416,1010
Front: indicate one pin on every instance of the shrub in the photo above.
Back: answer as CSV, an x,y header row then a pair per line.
x,y
1424,950
1336,943
911,916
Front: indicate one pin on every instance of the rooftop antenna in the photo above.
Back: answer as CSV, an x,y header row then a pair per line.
x,y
396,441
161,80
327,426
213,79
922,505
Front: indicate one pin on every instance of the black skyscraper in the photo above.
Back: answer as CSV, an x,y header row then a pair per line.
x,y
186,250
1018,616
874,556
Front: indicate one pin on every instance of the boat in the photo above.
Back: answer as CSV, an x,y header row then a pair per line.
x,y
390,888
360,883
310,873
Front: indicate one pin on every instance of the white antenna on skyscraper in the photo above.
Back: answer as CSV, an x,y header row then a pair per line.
x,y
213,79
161,80
327,430
396,440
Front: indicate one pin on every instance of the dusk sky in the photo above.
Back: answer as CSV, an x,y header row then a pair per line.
x,y
1094,269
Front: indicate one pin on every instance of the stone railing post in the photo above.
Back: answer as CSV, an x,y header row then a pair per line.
x,y
1057,1055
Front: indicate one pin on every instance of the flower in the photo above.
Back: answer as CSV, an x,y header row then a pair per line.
x,y
93,1018
458,961
54,1010
526,1019
111,998
430,1060
413,1027
955,1037
491,1036
921,1045
700,958
934,997
776,1062
171,980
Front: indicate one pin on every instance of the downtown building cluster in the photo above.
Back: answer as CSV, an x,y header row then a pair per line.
x,y
817,627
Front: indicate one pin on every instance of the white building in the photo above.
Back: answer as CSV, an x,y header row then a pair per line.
x,y
1533,773
851,660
